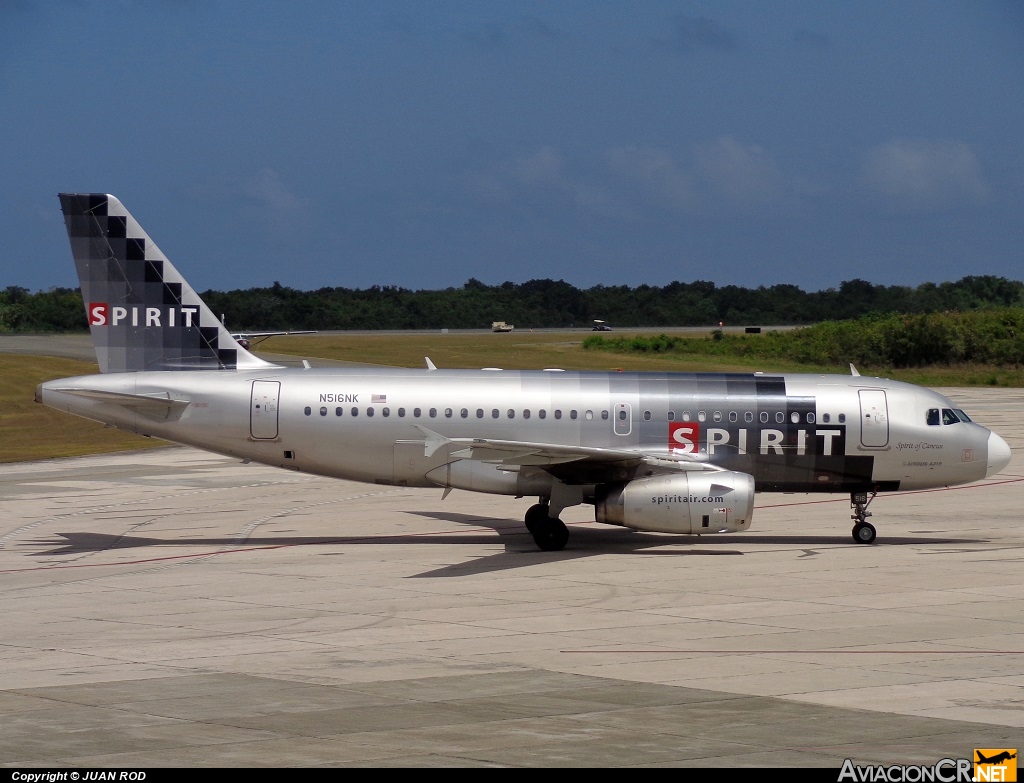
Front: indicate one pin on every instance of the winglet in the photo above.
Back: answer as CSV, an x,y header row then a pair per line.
x,y
853,370
430,364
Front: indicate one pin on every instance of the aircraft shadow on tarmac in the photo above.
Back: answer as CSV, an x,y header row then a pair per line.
x,y
587,540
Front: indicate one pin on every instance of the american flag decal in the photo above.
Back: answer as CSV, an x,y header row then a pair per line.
x,y
375,398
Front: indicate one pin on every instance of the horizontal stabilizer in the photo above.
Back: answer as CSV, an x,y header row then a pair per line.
x,y
158,405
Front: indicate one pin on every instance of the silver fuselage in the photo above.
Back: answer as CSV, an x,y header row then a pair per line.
x,y
792,433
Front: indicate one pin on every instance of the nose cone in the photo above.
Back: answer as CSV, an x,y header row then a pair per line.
x,y
998,455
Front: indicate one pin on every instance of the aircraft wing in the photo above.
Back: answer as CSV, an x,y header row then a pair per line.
x,y
573,464
255,335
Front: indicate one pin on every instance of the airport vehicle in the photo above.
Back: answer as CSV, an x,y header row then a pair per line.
x,y
501,326
651,451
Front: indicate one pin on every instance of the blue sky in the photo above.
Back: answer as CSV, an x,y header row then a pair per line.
x,y
420,144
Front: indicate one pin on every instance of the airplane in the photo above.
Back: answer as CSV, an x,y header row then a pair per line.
x,y
650,451
249,340
996,759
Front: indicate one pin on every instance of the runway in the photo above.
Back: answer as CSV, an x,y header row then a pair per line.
x,y
175,608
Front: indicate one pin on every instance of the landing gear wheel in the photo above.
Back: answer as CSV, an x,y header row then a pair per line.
x,y
535,516
551,535
864,533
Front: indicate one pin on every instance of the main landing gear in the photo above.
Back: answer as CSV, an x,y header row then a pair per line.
x,y
549,533
863,531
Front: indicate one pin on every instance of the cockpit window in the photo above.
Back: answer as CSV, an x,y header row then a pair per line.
x,y
962,416
949,417
933,417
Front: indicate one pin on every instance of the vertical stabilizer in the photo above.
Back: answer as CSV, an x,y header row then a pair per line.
x,y
143,315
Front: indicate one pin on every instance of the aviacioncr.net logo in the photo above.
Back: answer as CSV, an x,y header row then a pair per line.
x,y
943,771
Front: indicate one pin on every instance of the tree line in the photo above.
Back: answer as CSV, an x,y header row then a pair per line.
x,y
538,304
993,336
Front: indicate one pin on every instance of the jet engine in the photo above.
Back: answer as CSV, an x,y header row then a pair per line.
x,y
691,502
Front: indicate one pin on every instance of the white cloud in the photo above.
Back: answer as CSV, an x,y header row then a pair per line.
x,y
919,175
544,167
544,173
657,172
744,175
267,189
721,176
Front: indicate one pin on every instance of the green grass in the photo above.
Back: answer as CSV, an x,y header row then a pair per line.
x,y
510,351
536,350
29,431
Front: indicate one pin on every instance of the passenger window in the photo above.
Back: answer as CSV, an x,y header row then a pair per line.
x,y
933,417
780,417
686,415
826,418
307,410
401,413
479,413
337,411
432,413
572,415
701,416
526,413
323,411
354,411
495,413
842,418
369,411
671,415
542,413
447,413
464,413
604,415
647,415
717,416
748,417
385,412
511,413
764,417
590,415
558,414
733,416
416,412
794,417
810,418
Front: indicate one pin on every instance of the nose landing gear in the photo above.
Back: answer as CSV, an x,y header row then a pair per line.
x,y
863,531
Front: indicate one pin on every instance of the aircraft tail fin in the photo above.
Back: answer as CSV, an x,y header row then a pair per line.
x,y
142,313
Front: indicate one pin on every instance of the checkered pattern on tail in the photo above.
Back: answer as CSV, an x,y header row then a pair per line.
x,y
142,313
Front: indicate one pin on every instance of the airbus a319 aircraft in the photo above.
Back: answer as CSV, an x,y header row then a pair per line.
x,y
651,451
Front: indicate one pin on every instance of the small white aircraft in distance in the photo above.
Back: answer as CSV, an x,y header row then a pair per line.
x,y
249,339
651,451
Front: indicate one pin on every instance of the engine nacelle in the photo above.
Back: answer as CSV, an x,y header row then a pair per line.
x,y
691,502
